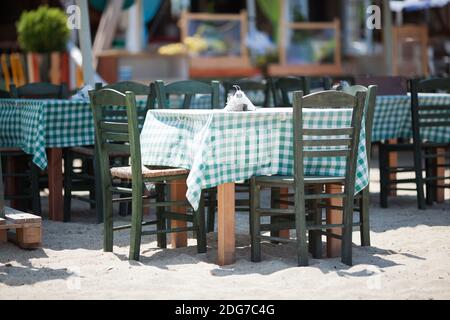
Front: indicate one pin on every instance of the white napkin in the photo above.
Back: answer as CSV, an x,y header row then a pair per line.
x,y
239,102
83,93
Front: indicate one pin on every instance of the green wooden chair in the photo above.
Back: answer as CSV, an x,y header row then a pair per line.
x,y
424,118
282,87
123,137
188,89
363,197
310,188
249,85
83,178
40,90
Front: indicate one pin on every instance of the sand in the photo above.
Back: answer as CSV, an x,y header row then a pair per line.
x,y
409,259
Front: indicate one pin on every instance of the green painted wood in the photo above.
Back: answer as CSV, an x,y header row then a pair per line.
x,y
363,202
110,137
40,90
254,221
281,87
329,99
314,226
422,118
188,88
138,88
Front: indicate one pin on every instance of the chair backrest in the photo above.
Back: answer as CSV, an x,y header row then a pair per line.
x,y
115,136
139,89
4,94
426,116
387,85
188,89
40,90
327,142
369,110
282,87
249,86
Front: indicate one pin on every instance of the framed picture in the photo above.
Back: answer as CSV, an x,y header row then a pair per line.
x,y
307,48
224,35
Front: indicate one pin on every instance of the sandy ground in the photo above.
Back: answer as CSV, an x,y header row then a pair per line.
x,y
409,259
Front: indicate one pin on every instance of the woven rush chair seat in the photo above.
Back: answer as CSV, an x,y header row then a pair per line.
x,y
290,179
125,172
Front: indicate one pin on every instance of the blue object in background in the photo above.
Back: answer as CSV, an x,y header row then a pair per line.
x,y
149,8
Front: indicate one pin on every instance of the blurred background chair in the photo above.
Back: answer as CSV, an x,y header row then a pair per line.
x,y
427,120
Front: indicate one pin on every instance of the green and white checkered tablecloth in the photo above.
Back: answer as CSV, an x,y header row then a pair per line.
x,y
219,147
392,118
34,125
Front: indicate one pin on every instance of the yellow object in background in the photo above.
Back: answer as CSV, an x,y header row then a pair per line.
x,y
5,70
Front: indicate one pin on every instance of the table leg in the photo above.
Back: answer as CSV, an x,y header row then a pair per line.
x,y
225,224
178,190
55,184
393,162
334,216
440,172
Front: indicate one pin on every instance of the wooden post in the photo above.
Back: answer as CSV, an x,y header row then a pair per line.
x,y
225,216
55,184
440,172
334,216
392,162
178,190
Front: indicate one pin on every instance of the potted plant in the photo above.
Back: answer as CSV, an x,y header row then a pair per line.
x,y
43,35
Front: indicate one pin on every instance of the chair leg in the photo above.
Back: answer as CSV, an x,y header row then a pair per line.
x,y
161,225
384,176
419,179
211,211
88,166
199,220
301,231
364,217
99,203
68,170
108,220
315,237
429,173
255,222
36,198
274,197
136,220
346,243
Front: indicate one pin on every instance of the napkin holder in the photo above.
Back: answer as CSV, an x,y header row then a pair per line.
x,y
239,101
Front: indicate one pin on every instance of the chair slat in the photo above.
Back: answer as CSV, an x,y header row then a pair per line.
x,y
435,124
114,147
326,142
326,153
327,131
114,126
116,136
